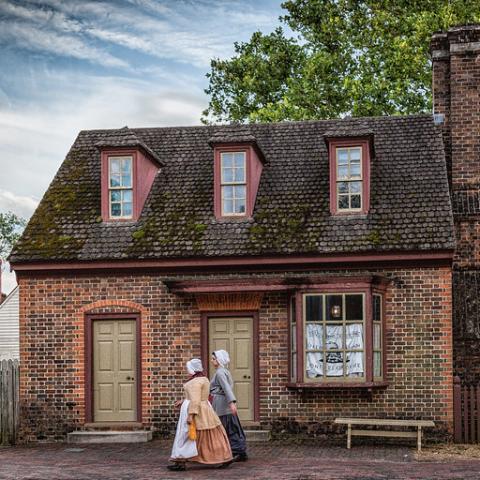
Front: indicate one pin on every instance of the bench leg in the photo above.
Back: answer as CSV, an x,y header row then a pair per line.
x,y
349,436
419,439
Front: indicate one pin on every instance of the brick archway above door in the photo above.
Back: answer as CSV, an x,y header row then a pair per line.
x,y
225,302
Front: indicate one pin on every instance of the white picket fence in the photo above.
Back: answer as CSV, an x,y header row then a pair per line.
x,y
9,401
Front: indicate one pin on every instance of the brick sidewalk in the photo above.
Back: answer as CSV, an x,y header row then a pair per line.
x,y
268,461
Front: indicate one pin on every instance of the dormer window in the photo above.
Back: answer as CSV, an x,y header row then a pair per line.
x,y
120,186
234,183
349,176
127,177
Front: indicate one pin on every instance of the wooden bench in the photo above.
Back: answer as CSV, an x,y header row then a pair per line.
x,y
384,433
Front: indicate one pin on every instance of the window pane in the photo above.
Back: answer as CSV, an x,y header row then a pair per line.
x,y
293,338
334,307
342,172
114,165
127,209
314,308
294,366
377,307
355,153
342,187
227,175
354,307
115,195
227,206
314,339
342,156
377,364
227,160
354,333
240,160
126,180
293,309
334,337
115,180
355,201
239,192
377,336
334,364
127,165
355,170
342,202
355,364
115,210
355,187
227,192
239,175
240,205
314,367
127,195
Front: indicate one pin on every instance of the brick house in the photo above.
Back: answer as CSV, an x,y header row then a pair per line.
x,y
319,253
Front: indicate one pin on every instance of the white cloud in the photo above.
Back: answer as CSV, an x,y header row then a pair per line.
x,y
36,137
188,32
22,206
36,39
9,280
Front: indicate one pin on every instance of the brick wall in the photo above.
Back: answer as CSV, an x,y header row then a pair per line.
x,y
52,311
456,94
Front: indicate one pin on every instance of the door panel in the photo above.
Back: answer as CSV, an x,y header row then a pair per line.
x,y
114,371
235,335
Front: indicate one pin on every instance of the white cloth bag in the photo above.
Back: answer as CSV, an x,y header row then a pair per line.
x,y
183,447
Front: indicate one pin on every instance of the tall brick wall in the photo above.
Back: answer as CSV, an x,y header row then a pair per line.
x,y
52,312
456,95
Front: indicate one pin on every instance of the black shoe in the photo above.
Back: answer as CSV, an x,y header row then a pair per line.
x,y
177,467
242,457
226,464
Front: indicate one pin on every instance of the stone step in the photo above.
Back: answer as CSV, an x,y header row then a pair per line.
x,y
137,436
257,435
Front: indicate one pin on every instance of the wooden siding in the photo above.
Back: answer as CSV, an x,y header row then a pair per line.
x,y
9,334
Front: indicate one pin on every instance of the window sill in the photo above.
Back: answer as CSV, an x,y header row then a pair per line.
x,y
330,385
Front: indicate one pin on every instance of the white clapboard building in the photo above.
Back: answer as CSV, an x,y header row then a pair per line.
x,y
9,322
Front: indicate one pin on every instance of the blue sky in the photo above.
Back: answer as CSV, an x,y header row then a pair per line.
x,y
68,65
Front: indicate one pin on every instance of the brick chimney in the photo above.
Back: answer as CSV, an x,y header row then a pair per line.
x,y
456,101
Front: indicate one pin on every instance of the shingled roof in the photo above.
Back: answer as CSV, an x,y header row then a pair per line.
x,y
410,204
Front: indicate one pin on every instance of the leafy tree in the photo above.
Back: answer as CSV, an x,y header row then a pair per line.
x,y
11,227
349,57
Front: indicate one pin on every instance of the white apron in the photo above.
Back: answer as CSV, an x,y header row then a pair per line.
x,y
183,447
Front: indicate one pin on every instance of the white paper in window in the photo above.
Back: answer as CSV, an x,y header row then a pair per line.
x,y
334,337
355,364
314,365
314,336
354,340
334,364
377,364
377,344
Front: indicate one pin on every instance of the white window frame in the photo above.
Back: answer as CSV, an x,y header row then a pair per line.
x,y
233,184
120,188
348,179
334,379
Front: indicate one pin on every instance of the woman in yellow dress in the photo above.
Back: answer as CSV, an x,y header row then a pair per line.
x,y
211,446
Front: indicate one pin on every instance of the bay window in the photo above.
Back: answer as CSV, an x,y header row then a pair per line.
x,y
336,337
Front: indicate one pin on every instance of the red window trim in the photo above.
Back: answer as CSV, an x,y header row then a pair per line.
x,y
218,180
106,154
364,143
361,286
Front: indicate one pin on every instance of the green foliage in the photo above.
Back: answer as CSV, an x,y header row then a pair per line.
x,y
350,57
11,227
